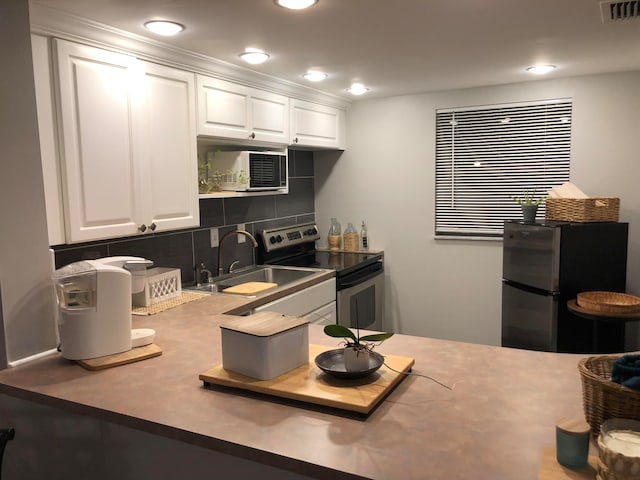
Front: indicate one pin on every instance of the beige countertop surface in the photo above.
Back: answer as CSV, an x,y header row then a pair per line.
x,y
495,423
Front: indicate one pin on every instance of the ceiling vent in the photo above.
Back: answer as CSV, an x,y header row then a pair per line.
x,y
614,11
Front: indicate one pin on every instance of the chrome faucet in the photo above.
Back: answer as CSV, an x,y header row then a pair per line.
x,y
201,269
224,237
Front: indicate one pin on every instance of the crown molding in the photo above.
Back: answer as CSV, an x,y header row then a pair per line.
x,y
51,22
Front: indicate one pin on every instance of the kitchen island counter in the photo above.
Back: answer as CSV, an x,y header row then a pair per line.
x,y
494,424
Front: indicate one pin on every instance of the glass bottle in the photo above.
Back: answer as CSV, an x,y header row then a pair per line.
x,y
351,239
364,237
335,235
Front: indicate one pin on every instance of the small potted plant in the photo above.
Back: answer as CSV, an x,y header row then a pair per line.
x,y
529,204
356,348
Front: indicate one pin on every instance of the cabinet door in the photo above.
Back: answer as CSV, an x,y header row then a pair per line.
x,y
304,301
166,137
48,146
223,108
231,110
269,113
316,125
98,164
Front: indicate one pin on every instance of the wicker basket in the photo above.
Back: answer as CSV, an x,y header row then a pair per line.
x,y
612,464
608,302
594,209
602,398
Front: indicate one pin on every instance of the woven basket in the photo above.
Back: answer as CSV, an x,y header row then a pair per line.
x,y
608,302
612,464
602,398
593,209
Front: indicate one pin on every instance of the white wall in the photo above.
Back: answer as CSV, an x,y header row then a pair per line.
x,y
26,301
451,289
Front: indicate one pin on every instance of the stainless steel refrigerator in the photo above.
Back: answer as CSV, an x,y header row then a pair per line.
x,y
547,263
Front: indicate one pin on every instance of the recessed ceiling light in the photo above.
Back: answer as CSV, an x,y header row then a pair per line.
x,y
162,27
541,69
357,89
315,76
295,4
254,57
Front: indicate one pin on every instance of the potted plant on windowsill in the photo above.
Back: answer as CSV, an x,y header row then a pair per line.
x,y
357,349
529,204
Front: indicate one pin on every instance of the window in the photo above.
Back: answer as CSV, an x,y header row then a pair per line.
x,y
487,155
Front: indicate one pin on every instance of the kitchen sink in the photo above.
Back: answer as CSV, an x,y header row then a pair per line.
x,y
258,273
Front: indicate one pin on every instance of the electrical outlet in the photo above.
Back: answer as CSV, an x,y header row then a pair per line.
x,y
215,240
241,238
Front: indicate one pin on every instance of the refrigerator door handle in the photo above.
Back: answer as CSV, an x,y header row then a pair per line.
x,y
529,288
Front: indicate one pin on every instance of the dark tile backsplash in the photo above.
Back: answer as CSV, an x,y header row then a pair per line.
x,y
182,249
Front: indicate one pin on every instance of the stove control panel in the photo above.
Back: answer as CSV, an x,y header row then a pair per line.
x,y
275,238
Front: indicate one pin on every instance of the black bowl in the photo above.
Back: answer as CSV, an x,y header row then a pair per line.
x,y
332,363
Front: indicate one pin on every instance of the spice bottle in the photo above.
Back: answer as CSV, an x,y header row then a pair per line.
x,y
364,237
335,235
351,239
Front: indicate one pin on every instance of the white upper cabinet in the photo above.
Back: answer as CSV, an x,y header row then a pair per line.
x,y
314,125
231,110
48,145
167,138
98,167
129,161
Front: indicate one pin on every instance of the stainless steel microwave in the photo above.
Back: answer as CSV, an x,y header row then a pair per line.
x,y
244,170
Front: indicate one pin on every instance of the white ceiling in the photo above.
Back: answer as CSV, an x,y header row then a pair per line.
x,y
392,46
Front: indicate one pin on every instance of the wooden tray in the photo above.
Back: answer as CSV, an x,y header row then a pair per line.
x,y
117,359
550,469
309,384
608,302
573,306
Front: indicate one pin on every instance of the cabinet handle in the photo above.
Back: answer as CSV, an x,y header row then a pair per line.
x,y
142,228
153,227
253,135
6,434
295,140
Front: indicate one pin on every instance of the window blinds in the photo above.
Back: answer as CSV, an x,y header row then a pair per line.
x,y
486,155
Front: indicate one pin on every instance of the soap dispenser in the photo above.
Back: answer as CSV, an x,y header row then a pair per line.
x,y
364,237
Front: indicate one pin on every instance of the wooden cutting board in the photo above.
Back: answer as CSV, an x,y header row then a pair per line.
x,y
550,469
308,383
250,288
117,359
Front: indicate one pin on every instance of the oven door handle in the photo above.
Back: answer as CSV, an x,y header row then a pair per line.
x,y
361,277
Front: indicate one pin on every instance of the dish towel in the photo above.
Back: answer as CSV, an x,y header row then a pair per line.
x,y
626,371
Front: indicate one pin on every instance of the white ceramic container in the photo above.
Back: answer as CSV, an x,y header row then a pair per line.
x,y
264,345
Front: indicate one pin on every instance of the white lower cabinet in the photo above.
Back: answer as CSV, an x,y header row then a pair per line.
x,y
129,161
316,303
314,125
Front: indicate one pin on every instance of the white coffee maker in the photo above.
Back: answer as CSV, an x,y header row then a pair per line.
x,y
94,301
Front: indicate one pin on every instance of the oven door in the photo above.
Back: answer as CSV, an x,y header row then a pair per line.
x,y
361,298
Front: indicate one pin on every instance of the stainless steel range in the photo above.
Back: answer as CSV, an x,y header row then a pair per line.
x,y
359,275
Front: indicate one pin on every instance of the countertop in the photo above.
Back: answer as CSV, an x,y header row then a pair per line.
x,y
495,424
